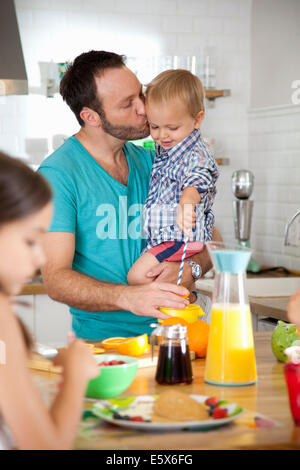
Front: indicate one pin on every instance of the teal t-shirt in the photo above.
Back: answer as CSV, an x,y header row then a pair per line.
x,y
105,217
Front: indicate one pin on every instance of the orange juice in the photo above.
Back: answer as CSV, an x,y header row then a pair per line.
x,y
230,356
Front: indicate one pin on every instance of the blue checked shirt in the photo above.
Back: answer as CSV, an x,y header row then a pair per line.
x,y
188,163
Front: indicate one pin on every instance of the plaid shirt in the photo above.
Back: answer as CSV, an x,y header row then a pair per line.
x,y
188,163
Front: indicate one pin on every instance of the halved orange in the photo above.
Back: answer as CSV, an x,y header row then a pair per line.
x,y
95,349
134,346
98,350
174,321
112,343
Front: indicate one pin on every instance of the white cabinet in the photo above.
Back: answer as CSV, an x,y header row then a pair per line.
x,y
52,321
48,321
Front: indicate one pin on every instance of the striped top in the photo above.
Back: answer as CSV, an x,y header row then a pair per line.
x,y
188,163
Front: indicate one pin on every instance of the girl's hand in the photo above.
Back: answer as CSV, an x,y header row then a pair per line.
x,y
77,361
186,218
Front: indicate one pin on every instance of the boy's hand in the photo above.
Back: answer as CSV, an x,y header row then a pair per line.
x,y
186,218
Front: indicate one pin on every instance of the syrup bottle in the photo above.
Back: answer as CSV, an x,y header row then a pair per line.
x,y
174,362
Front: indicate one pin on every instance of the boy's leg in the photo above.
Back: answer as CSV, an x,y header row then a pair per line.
x,y
138,271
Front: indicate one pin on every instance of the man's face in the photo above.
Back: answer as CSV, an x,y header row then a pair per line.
x,y
122,100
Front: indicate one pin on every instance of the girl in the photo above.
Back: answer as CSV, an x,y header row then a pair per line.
x,y
25,212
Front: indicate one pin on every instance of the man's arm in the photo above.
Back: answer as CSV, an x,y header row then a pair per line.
x,y
80,291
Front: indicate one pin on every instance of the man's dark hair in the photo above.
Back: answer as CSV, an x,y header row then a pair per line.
x,y
78,87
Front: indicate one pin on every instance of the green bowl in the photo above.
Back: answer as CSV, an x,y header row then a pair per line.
x,y
112,380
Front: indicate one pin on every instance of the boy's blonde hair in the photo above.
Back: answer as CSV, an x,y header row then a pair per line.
x,y
177,84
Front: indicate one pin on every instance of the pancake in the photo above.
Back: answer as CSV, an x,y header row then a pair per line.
x,y
173,406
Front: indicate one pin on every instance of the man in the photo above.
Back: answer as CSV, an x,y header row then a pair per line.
x,y
100,183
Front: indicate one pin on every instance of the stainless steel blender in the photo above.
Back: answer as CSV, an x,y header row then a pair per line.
x,y
242,187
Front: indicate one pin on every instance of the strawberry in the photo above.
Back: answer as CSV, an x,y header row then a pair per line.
x,y
212,401
219,413
136,418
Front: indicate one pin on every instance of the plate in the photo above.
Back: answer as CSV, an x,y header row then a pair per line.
x,y
142,406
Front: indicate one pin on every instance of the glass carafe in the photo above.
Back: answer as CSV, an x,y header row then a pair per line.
x,y
230,356
174,362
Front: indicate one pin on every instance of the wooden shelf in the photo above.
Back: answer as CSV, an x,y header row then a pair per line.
x,y
213,94
222,161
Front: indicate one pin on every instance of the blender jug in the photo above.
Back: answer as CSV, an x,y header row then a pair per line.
x,y
230,356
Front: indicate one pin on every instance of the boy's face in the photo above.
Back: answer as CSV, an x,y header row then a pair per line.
x,y
171,123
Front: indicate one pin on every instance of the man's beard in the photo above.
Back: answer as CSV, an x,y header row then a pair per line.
x,y
124,132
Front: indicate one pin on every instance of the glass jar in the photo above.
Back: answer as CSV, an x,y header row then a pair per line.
x,y
174,362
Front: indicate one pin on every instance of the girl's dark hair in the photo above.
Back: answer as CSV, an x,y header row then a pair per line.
x,y
78,87
22,190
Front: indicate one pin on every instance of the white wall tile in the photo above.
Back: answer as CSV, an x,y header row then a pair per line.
x,y
224,8
177,24
31,4
68,5
192,7
133,6
205,25
235,26
274,156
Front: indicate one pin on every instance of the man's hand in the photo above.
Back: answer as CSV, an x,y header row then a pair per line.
x,y
168,272
145,300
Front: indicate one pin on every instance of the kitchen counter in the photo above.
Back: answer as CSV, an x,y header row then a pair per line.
x,y
272,307
269,397
34,287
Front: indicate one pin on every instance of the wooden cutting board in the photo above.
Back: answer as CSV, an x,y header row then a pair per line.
x,y
38,362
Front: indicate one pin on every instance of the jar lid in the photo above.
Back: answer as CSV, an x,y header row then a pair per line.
x,y
175,331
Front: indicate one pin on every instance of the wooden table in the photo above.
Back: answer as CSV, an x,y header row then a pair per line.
x,y
269,397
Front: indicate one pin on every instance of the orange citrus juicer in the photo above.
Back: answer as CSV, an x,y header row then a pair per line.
x,y
190,313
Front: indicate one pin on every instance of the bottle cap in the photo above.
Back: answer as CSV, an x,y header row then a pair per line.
x,y
293,354
175,331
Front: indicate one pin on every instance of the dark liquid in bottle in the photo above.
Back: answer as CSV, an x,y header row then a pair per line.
x,y
174,365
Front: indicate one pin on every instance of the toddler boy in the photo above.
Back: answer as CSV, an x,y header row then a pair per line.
x,y
184,174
